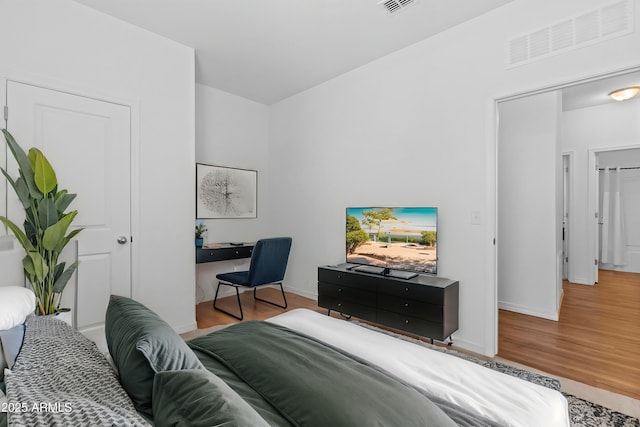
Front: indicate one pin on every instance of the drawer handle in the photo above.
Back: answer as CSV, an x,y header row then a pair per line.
x,y
211,253
406,304
406,289
339,276
339,304
406,321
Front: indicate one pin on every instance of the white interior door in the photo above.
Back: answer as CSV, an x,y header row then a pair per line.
x,y
565,215
596,219
88,143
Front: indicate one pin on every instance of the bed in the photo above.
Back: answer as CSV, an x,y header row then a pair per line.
x,y
299,368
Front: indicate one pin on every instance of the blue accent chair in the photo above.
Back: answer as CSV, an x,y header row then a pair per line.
x,y
268,265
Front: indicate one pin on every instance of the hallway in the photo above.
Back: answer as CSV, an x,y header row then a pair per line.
x,y
596,340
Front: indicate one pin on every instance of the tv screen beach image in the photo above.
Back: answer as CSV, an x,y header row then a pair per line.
x,y
397,238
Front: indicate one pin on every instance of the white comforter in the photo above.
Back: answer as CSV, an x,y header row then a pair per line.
x,y
508,400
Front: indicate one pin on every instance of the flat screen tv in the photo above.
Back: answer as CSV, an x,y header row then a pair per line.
x,y
393,238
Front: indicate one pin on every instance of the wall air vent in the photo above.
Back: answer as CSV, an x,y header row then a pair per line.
x,y
393,6
587,28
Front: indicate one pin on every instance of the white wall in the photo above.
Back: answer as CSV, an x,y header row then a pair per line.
x,y
600,127
232,131
528,185
418,127
66,46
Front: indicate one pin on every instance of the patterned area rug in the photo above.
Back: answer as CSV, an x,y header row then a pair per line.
x,y
582,413
585,413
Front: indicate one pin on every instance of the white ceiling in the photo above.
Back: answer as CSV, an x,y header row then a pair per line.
x,y
596,92
268,50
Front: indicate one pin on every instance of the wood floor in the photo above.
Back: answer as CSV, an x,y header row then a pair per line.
x,y
206,316
596,340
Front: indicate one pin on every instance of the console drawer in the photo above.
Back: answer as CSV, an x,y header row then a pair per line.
x,y
354,280
413,291
347,307
411,324
347,293
413,308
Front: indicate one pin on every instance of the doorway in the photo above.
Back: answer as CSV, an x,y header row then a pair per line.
x,y
583,136
615,196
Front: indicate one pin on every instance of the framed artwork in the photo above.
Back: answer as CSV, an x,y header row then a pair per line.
x,y
223,192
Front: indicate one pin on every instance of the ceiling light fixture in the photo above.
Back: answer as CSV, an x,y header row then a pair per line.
x,y
625,93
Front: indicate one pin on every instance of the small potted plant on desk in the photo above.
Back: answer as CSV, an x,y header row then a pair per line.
x,y
200,230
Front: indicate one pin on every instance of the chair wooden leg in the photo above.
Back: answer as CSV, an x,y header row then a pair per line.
x,y
284,298
237,296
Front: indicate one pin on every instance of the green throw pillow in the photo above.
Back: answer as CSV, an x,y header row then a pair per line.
x,y
142,344
198,398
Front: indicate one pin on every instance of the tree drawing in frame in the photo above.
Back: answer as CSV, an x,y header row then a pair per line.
x,y
225,192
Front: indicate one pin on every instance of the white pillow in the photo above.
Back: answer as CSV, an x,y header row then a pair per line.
x,y
16,303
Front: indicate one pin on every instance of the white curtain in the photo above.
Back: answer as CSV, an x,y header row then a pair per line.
x,y
613,244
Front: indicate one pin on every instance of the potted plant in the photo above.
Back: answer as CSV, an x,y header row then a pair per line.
x,y
200,230
44,233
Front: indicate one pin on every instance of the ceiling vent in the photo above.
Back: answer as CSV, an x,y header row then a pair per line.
x,y
394,6
587,28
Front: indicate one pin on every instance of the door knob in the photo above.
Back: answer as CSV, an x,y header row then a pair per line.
x,y
122,240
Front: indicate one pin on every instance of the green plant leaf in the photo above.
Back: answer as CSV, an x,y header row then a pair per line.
x,y
40,267
70,236
59,194
53,239
17,151
22,238
58,270
63,200
30,271
44,175
21,189
61,282
24,164
30,229
47,213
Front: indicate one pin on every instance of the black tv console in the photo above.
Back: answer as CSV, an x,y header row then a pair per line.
x,y
423,305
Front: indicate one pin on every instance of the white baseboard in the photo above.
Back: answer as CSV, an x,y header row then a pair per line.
x,y
526,310
469,346
306,294
186,328
582,282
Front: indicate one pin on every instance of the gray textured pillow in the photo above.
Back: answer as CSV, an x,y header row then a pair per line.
x,y
198,398
141,344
